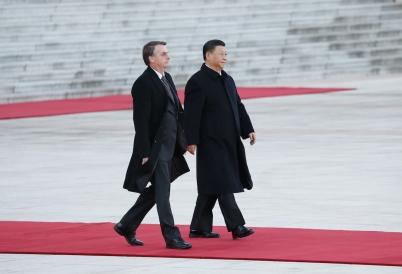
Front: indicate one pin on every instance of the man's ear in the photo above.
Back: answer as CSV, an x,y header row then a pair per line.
x,y
151,59
208,55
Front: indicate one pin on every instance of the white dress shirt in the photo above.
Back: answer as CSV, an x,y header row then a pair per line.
x,y
159,75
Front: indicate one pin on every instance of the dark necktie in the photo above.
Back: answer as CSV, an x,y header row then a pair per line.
x,y
167,87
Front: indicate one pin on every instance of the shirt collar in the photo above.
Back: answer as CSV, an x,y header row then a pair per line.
x,y
158,73
213,74
220,73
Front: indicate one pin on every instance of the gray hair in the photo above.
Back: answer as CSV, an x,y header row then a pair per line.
x,y
148,50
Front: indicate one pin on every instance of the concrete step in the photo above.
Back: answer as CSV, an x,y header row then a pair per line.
x,y
40,27
250,80
80,69
35,28
246,66
37,37
240,77
72,75
148,9
381,52
73,48
287,54
176,2
169,6
335,28
118,67
8,98
323,65
193,15
120,59
276,38
61,86
349,36
391,62
376,16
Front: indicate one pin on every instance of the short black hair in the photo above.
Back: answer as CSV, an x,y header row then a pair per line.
x,y
210,46
148,50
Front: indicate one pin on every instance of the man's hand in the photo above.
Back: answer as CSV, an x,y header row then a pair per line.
x,y
144,160
253,138
191,148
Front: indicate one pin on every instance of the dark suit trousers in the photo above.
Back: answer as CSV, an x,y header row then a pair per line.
x,y
203,217
159,193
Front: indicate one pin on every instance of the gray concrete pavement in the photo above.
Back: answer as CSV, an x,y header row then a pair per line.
x,y
38,264
328,161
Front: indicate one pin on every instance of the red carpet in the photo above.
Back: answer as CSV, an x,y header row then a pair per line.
x,y
270,244
121,102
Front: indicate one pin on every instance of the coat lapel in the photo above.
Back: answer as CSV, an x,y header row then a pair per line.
x,y
231,92
161,87
157,82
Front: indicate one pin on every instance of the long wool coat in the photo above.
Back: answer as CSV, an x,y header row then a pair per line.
x,y
214,120
150,102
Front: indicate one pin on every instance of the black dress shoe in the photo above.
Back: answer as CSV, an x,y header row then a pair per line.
x,y
130,236
241,232
178,243
203,234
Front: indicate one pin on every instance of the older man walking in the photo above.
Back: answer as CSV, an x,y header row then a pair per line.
x,y
159,145
214,121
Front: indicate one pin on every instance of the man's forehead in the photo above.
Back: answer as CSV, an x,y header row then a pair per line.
x,y
220,48
161,48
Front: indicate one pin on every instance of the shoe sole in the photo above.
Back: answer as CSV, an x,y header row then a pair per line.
x,y
122,234
243,236
186,247
202,236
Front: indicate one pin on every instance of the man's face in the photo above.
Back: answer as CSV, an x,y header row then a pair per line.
x,y
218,57
161,58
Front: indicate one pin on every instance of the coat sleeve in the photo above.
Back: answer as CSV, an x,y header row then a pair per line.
x,y
245,123
142,96
194,98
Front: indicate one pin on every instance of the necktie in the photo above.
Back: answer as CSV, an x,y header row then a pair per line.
x,y
167,87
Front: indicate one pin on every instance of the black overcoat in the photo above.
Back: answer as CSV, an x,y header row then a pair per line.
x,y
149,107
214,120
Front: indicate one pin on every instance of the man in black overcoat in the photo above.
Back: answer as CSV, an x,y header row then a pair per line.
x,y
159,145
214,121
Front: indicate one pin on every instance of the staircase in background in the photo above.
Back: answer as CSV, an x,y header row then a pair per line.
x,y
69,48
